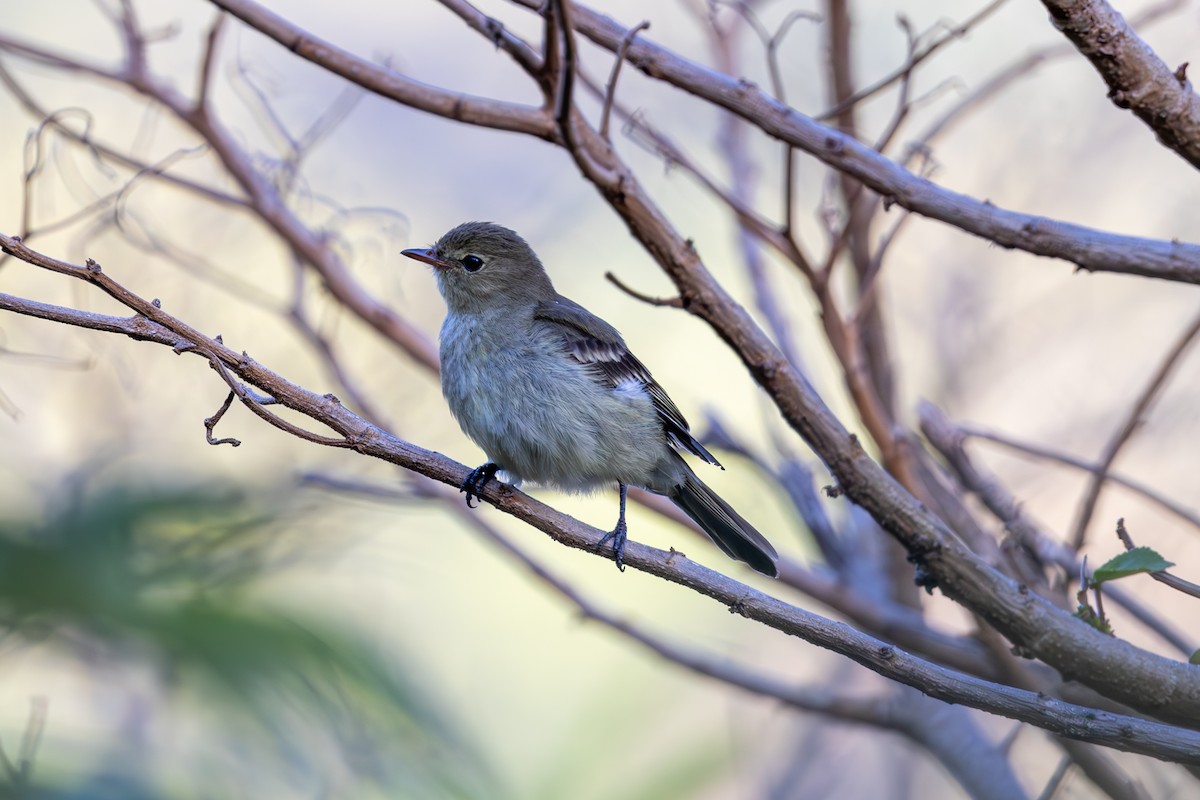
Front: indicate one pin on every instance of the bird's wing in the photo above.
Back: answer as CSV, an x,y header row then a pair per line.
x,y
594,343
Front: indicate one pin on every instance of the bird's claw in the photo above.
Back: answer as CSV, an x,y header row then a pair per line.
x,y
619,536
477,479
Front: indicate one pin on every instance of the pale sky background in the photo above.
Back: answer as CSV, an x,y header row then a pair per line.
x,y
1004,339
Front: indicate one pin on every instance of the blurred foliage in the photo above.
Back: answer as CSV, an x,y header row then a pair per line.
x,y
162,581
695,760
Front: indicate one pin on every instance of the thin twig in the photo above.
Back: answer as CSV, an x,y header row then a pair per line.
x,y
1162,576
558,27
915,58
903,106
109,154
209,65
264,198
518,49
1020,68
948,438
1123,433
1049,454
610,89
256,405
671,302
799,697
1116,730
1055,781
731,138
1088,249
210,423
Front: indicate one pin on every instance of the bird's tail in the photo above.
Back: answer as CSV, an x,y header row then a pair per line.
x,y
725,526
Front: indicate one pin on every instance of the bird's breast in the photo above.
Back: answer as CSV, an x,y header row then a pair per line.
x,y
539,413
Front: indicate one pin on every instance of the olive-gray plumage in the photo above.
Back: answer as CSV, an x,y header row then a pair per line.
x,y
552,394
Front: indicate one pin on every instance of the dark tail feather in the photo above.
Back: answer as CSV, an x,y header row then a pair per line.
x,y
725,526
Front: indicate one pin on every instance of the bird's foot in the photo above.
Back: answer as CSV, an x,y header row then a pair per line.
x,y
619,536
478,478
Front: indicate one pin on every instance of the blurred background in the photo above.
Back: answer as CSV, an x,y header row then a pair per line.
x,y
184,620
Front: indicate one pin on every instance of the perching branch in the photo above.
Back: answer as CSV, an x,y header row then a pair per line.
x,y
1126,733
1117,669
951,547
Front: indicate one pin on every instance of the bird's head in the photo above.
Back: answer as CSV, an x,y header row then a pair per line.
x,y
481,265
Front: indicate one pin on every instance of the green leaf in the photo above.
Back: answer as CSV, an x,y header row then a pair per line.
x,y
1195,658
1131,562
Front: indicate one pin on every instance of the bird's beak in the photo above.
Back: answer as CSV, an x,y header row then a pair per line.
x,y
428,256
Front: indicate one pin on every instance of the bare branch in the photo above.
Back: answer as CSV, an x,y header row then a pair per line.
x,y
1131,423
210,423
1087,248
1028,535
971,759
1176,583
387,83
1038,451
84,138
562,35
610,89
1114,668
1137,78
210,61
949,442
915,57
135,327
267,202
1087,724
671,302
520,50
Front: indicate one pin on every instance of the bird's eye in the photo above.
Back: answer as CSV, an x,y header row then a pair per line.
x,y
472,263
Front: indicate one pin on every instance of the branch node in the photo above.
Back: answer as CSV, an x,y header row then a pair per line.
x,y
211,423
494,28
673,302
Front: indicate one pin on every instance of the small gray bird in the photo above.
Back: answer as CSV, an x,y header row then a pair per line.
x,y
552,394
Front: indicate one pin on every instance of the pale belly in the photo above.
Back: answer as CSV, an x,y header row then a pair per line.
x,y
544,418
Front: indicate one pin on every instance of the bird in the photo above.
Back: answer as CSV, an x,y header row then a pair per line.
x,y
553,395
